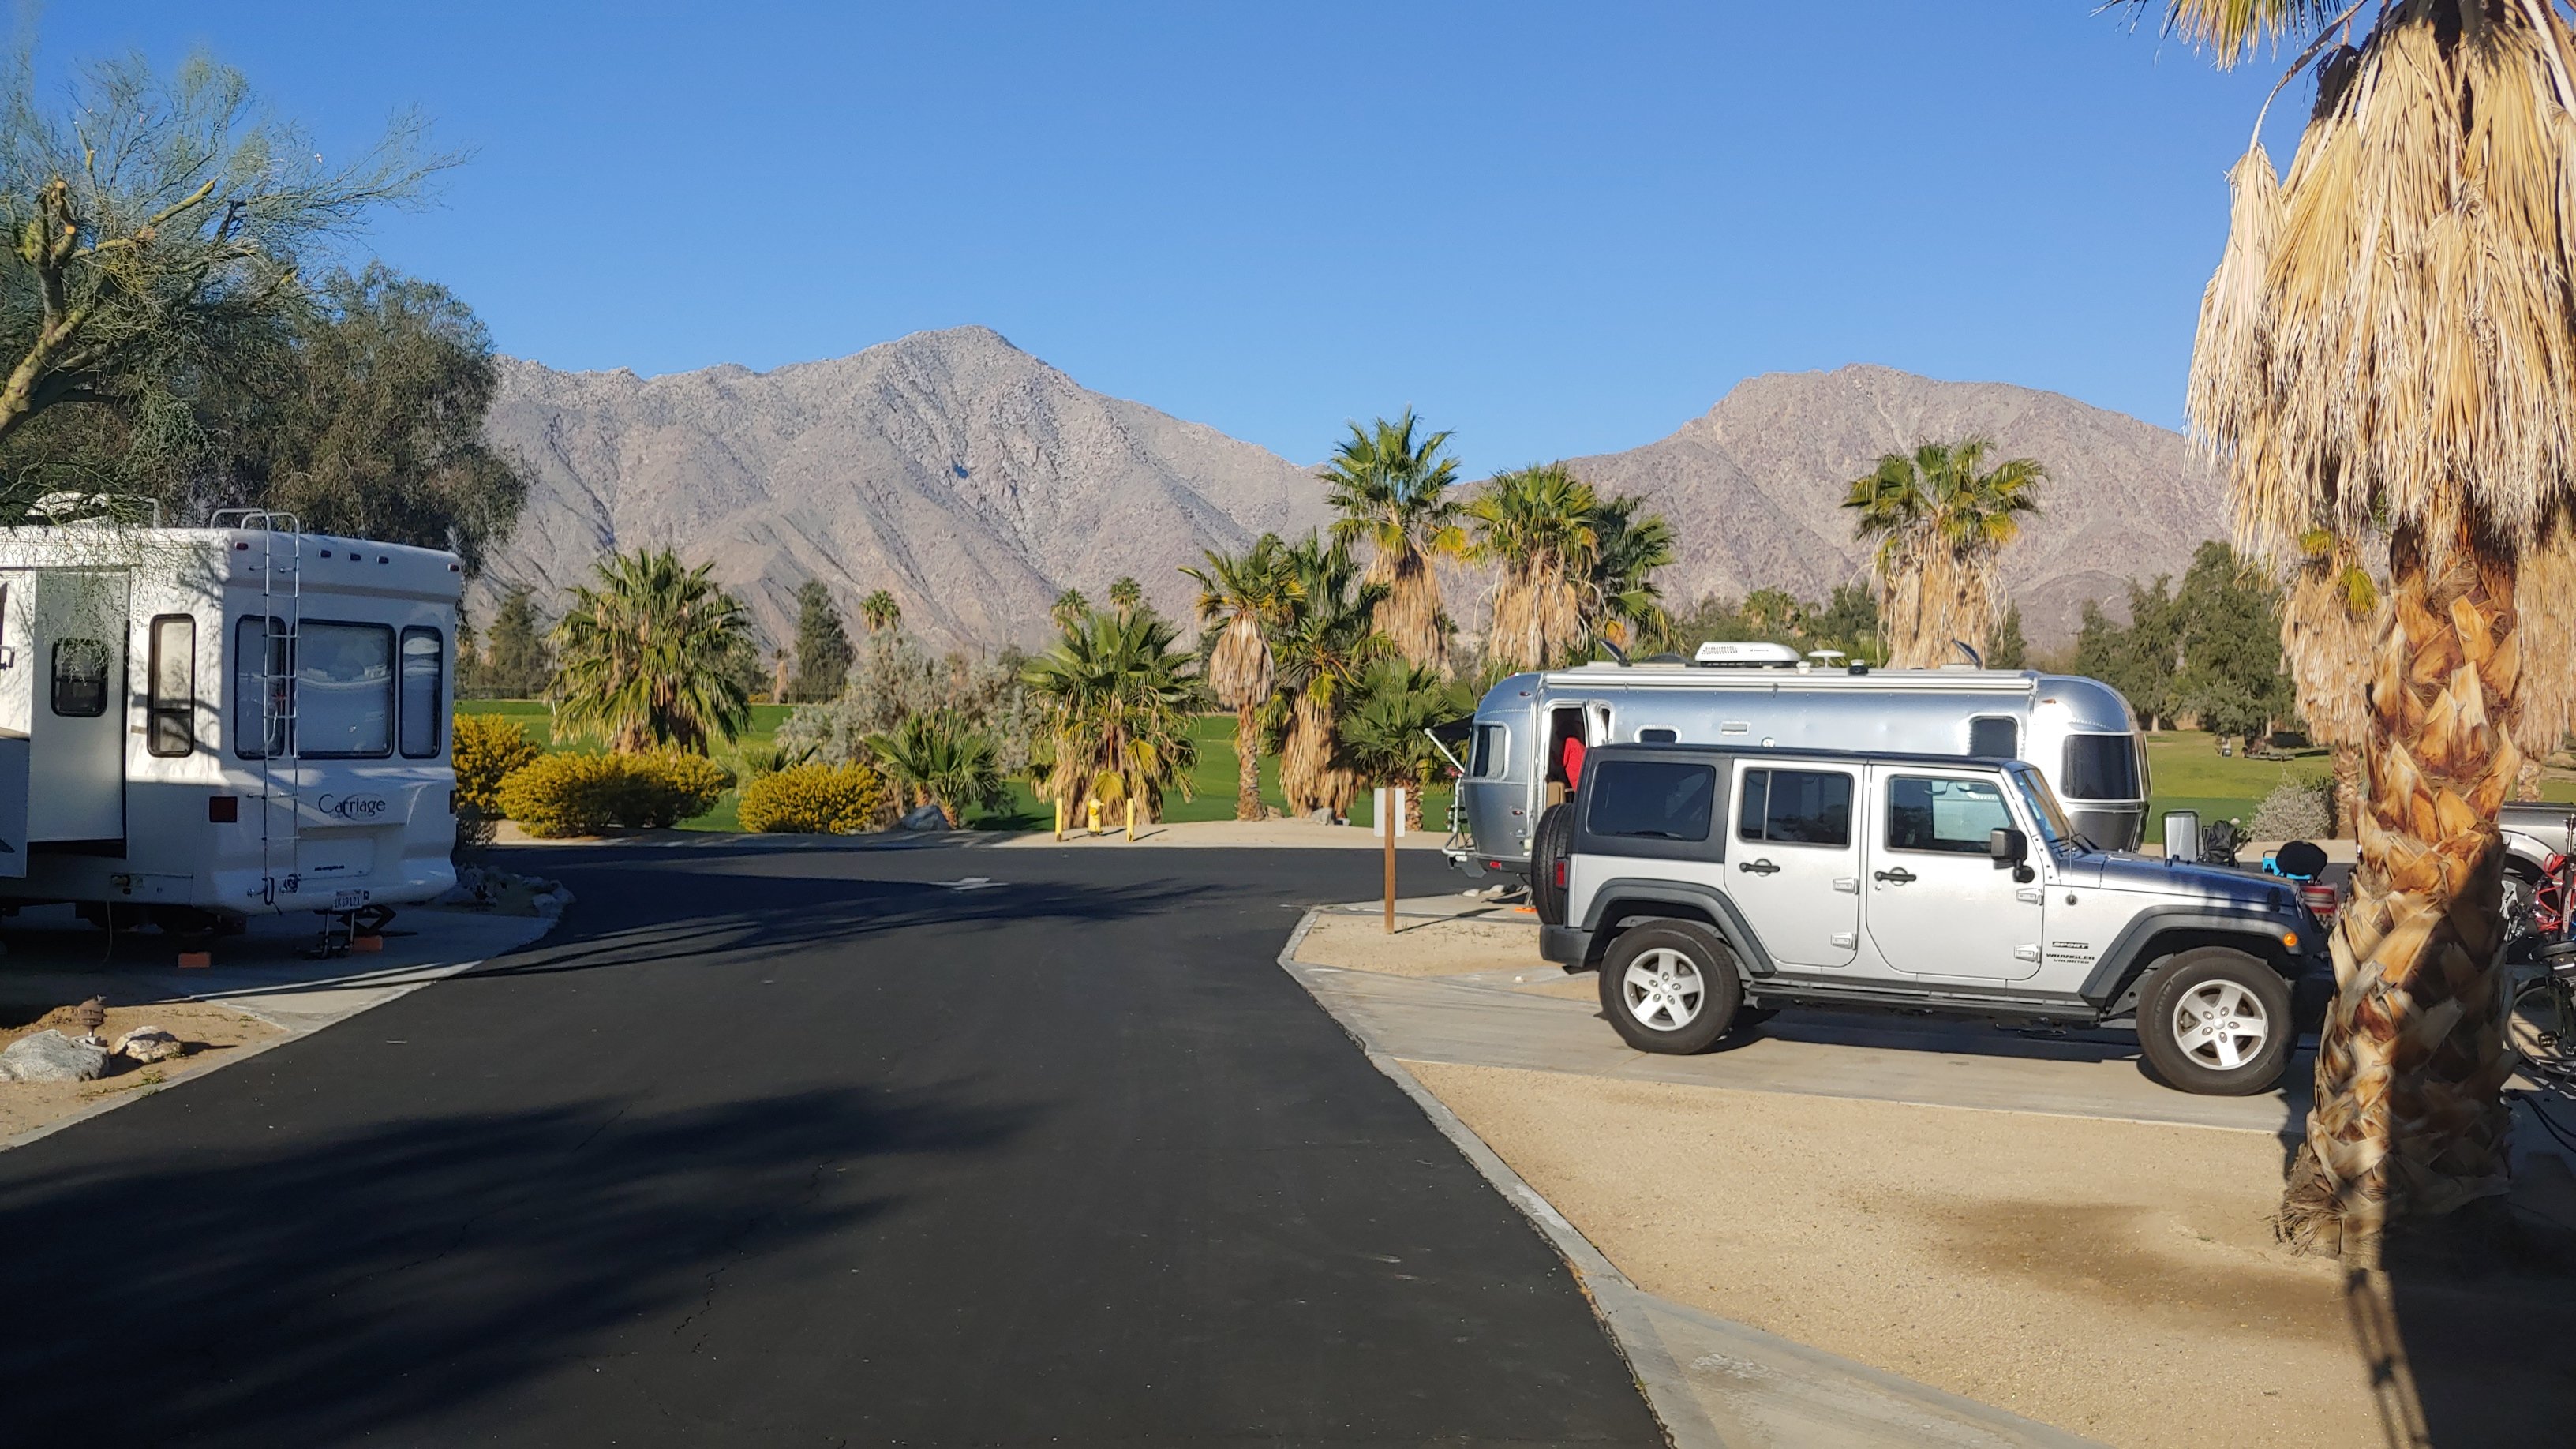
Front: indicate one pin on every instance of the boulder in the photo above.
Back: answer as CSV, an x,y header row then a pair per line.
x,y
924,817
50,1056
148,1044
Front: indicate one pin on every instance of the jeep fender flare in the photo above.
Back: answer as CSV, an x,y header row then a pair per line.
x,y
2162,931
1621,897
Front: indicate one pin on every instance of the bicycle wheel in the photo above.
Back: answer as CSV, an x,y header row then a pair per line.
x,y
2541,1028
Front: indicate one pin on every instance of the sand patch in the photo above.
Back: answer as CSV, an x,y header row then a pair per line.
x,y
1419,948
212,1033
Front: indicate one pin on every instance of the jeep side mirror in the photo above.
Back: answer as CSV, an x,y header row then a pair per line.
x,y
2010,847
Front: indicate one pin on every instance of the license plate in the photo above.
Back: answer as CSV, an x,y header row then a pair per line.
x,y
348,900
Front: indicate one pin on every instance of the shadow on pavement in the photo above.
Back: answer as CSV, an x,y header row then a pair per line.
x,y
365,1282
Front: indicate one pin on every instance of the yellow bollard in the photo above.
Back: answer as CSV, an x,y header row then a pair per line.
x,y
1092,811
1131,818
1059,820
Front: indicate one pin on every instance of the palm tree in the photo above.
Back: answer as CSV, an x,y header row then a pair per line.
x,y
1392,491
1242,597
944,761
1125,594
1118,701
1382,734
2329,622
879,611
2383,345
652,656
1327,642
1540,524
1069,609
1621,604
1942,519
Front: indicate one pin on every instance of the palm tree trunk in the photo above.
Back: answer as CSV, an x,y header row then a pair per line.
x,y
1409,615
2347,790
2408,1119
1307,758
1247,766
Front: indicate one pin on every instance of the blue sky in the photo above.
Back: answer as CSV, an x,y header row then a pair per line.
x,y
1555,229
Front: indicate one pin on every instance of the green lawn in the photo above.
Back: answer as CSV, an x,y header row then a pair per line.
x,y
2187,773
1211,780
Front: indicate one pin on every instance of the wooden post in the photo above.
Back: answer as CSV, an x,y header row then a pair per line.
x,y
1386,816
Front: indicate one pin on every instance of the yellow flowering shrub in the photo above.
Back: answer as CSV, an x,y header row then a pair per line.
x,y
561,795
816,800
487,747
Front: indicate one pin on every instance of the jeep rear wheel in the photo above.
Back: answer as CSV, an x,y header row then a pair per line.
x,y
2217,1022
1670,988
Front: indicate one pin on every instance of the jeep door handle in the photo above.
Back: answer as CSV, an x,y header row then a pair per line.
x,y
1758,867
1898,876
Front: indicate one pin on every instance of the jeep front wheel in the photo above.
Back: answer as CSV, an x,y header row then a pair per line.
x,y
1670,988
2217,1022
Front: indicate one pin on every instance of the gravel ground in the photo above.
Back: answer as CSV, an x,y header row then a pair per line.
x,y
209,1032
1421,948
2116,1279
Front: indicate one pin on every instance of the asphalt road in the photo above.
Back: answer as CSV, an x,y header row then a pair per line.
x,y
790,1148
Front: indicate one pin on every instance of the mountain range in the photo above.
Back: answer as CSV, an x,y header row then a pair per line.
x,y
975,482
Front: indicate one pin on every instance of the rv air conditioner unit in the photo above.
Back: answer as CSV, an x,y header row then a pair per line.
x,y
1732,655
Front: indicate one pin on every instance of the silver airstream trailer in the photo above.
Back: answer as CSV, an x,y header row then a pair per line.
x,y
200,724
2078,732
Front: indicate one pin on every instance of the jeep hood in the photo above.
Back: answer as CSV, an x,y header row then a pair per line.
x,y
2152,875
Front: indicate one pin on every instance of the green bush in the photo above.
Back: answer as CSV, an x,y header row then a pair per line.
x,y
2296,809
485,748
816,800
561,795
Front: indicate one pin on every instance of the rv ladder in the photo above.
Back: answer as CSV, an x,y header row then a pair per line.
x,y
281,593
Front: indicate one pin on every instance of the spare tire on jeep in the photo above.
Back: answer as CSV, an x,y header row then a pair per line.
x,y
1548,845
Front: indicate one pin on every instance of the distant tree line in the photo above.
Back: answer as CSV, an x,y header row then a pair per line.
x,y
2208,652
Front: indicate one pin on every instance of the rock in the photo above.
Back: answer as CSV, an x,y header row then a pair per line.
x,y
924,817
50,1056
148,1044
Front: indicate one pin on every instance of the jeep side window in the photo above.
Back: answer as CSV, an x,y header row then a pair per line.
x,y
1954,817
1657,799
1796,807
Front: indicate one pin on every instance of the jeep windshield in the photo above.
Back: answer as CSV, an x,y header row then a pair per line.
x,y
2054,827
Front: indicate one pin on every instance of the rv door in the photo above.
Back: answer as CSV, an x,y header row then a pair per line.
x,y
16,596
69,677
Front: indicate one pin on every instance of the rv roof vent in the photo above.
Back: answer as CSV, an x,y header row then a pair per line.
x,y
1734,655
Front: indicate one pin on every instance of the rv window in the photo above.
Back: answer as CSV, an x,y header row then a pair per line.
x,y
171,715
1652,798
344,691
1657,736
2101,767
421,702
1994,738
1490,754
1957,817
80,678
263,687
1796,807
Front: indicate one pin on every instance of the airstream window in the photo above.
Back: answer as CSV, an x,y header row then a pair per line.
x,y
344,691
1994,737
170,726
421,701
263,675
2101,767
1657,736
80,678
1490,754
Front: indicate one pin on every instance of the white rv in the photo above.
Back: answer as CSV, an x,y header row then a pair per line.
x,y
199,724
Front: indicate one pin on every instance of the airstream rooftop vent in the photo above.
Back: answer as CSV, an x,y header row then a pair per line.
x,y
1729,654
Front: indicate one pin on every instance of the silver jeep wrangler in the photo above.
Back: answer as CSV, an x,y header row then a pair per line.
x,y
1712,885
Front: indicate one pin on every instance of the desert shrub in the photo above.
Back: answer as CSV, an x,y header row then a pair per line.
x,y
584,794
2295,810
488,747
485,748
816,800
895,677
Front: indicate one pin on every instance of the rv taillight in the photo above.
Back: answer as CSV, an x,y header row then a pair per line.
x,y
223,809
1560,872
